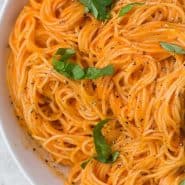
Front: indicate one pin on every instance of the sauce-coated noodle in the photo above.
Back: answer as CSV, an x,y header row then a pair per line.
x,y
145,97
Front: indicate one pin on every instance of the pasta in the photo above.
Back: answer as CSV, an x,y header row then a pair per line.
x,y
144,98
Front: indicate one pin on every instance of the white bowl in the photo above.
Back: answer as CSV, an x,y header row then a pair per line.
x,y
33,168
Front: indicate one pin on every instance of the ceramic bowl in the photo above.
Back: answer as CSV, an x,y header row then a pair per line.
x,y
32,167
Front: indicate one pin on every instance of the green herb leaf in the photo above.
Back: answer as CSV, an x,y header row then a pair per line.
x,y
94,73
103,150
78,72
63,65
172,48
84,164
65,53
99,8
128,8
58,66
182,183
87,9
115,155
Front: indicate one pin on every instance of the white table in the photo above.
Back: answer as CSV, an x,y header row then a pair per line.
x,y
9,173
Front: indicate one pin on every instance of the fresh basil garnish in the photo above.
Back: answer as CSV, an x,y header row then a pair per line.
x,y
172,48
99,8
63,65
103,149
126,9
104,152
65,53
84,164
94,73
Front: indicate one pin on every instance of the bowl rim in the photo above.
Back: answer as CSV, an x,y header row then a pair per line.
x,y
3,133
31,164
14,156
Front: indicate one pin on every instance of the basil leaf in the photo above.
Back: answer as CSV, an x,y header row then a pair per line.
x,y
103,149
115,155
172,48
104,152
64,66
70,70
65,53
182,183
78,73
87,10
84,164
99,8
58,66
94,73
128,8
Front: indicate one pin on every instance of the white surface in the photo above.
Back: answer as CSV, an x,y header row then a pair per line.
x,y
9,172
31,166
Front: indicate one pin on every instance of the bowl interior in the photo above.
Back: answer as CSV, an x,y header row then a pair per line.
x,y
34,169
